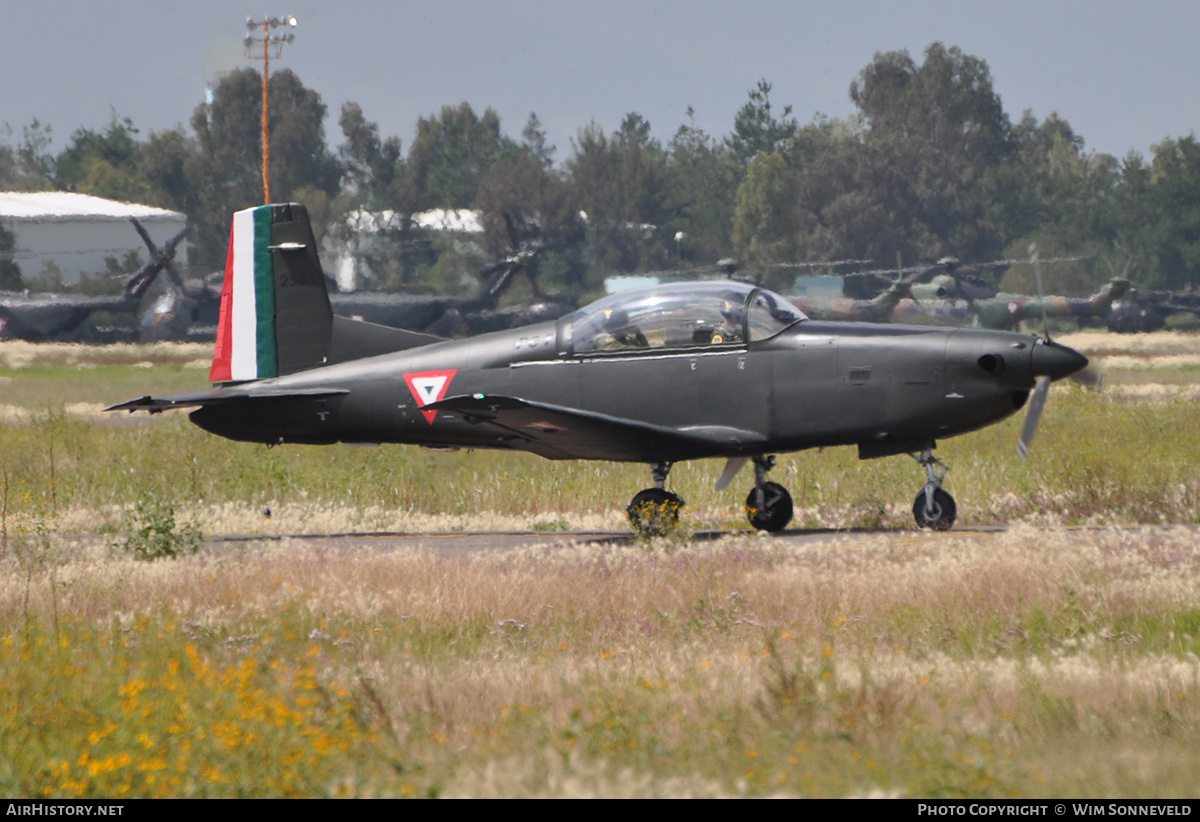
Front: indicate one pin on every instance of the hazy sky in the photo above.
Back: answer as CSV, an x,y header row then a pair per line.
x,y
1124,74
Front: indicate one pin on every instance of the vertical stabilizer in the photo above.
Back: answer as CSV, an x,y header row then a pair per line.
x,y
275,315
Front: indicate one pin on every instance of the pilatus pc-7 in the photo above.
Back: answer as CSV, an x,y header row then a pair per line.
x,y
670,373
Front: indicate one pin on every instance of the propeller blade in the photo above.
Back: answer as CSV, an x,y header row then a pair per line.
x,y
1036,403
732,466
1089,378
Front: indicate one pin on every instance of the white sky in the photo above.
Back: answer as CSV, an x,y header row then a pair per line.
x,y
1122,73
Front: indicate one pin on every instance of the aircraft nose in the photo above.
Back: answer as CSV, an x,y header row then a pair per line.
x,y
1056,361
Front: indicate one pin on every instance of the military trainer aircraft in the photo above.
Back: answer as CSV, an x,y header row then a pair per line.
x,y
674,372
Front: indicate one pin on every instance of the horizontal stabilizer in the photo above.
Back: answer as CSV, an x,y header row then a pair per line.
x,y
219,396
556,432
355,339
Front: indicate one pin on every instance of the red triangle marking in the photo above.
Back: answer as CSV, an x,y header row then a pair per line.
x,y
429,386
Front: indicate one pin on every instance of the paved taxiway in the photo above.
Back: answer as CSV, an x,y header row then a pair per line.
x,y
456,544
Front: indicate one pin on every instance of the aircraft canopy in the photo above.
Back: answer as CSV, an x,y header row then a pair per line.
x,y
679,315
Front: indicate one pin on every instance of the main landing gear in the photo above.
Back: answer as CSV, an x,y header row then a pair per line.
x,y
654,512
769,505
933,508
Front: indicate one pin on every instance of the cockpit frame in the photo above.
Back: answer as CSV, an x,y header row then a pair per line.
x,y
676,317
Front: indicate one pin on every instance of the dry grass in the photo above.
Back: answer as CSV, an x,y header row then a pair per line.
x,y
1102,344
1032,663
17,354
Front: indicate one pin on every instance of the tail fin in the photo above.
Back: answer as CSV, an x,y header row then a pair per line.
x,y
275,315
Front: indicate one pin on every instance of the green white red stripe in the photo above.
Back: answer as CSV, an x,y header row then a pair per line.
x,y
246,343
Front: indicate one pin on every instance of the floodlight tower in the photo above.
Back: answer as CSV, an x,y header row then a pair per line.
x,y
268,42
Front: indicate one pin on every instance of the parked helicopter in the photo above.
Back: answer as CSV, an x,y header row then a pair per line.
x,y
1143,311
44,316
948,294
674,372
190,310
878,309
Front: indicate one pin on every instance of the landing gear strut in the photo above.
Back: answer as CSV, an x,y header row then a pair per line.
x,y
933,508
654,512
769,505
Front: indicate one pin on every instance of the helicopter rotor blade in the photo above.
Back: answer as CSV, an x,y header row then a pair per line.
x,y
145,235
159,258
1037,278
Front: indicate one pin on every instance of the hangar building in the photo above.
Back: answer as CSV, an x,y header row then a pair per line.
x,y
65,235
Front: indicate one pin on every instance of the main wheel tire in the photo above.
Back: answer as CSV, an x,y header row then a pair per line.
x,y
941,516
654,512
769,508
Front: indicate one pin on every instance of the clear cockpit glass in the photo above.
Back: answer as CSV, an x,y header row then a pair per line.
x,y
769,314
680,315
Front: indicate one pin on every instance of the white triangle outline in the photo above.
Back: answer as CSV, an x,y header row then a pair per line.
x,y
428,389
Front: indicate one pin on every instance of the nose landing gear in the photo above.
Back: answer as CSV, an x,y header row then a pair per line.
x,y
933,508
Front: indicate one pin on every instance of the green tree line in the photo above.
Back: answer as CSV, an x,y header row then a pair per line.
x,y
929,165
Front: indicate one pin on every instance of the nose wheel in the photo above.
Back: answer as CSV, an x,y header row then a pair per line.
x,y
654,512
769,505
933,508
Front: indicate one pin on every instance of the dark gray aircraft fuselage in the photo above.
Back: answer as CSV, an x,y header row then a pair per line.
x,y
888,388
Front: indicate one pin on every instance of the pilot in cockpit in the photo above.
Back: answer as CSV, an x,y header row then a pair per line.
x,y
619,332
730,329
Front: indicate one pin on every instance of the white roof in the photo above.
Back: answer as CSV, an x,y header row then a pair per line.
x,y
465,220
61,205
450,219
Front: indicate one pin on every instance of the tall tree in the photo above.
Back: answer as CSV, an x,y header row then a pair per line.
x,y
763,221
226,168
946,104
10,271
162,161
620,182
533,138
1175,199
756,129
30,165
701,185
104,164
371,166
932,134
451,153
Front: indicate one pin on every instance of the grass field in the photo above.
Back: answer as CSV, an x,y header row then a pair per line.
x,y
1056,658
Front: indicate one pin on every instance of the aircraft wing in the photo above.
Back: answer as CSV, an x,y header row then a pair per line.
x,y
556,432
218,396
